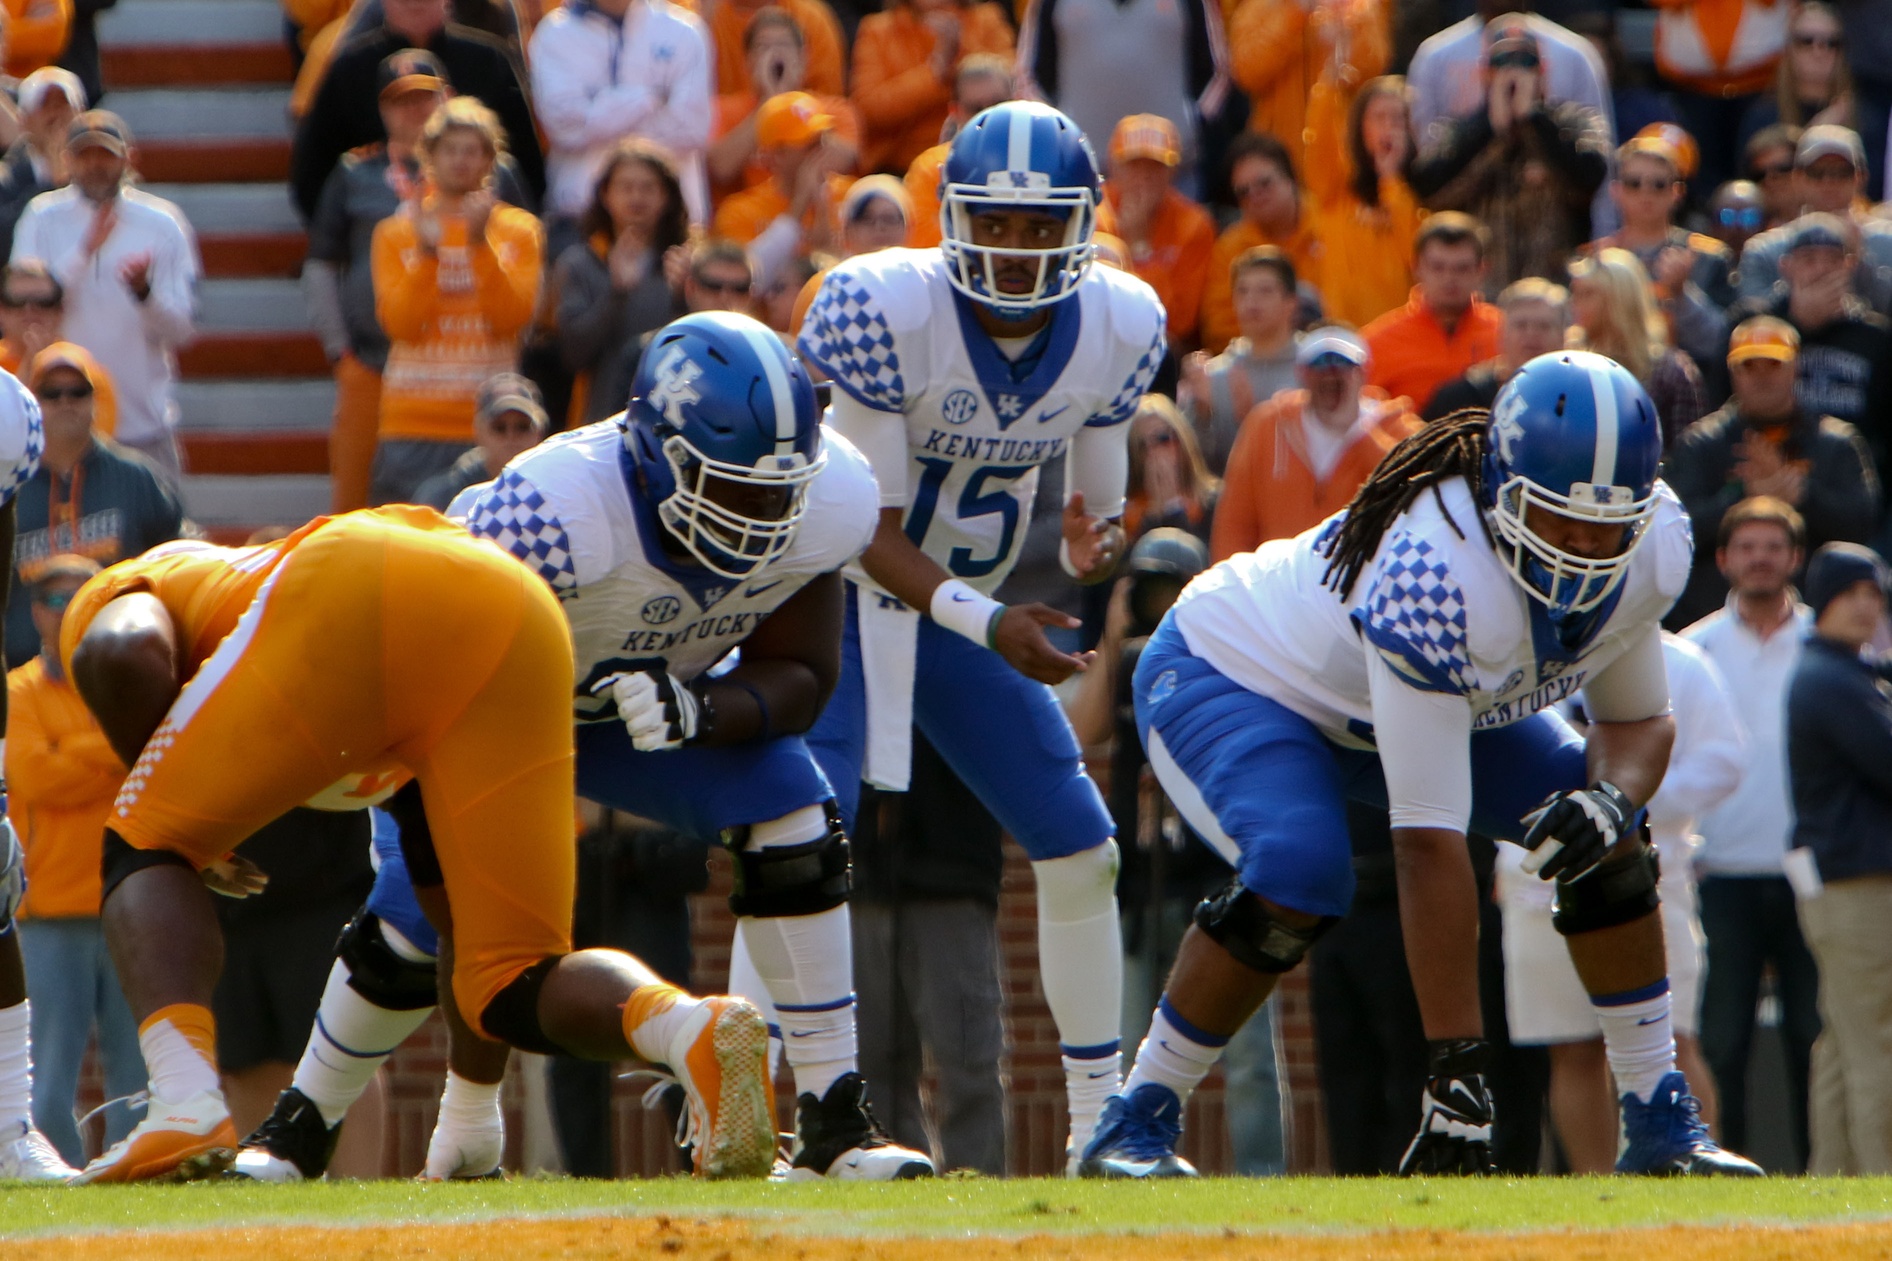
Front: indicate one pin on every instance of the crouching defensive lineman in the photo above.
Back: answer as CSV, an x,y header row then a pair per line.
x,y
714,515
359,651
1406,652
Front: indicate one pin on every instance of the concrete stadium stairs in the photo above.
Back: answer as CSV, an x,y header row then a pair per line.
x,y
204,85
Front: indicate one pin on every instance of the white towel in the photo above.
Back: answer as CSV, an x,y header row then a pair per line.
x,y
890,636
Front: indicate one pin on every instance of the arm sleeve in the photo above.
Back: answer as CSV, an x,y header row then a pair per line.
x,y
1123,404
1440,165
682,120
576,112
1099,469
590,310
405,297
1634,687
1425,749
1208,55
1236,526
322,295
882,439
890,91
506,270
1859,719
1326,168
43,771
169,310
1038,52
1575,141
1843,491
1267,37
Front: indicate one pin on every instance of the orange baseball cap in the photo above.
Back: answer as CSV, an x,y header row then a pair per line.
x,y
1146,136
790,120
1685,153
1763,337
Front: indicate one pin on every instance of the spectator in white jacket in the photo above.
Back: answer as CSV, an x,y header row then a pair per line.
x,y
1545,1002
128,263
608,69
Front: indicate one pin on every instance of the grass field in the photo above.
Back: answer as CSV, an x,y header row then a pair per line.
x,y
1288,1219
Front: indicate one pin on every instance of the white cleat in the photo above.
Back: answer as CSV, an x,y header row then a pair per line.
x,y
30,1158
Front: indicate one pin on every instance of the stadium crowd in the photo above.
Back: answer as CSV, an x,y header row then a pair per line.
x,y
1361,216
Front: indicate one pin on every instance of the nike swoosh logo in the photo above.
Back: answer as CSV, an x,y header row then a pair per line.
x,y
1047,417
753,592
1653,1020
1096,1076
800,1033
961,599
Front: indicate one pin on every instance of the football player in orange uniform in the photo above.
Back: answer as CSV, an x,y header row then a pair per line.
x,y
362,650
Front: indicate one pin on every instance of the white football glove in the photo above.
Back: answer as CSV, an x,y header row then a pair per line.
x,y
12,868
660,713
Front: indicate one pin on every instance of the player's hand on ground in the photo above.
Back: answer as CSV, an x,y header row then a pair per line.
x,y
1571,832
1092,544
234,876
1020,639
659,712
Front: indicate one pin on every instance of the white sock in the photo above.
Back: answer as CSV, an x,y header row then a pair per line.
x,y
1638,1037
653,1017
179,1043
351,1039
469,1105
1080,963
1174,1053
16,1070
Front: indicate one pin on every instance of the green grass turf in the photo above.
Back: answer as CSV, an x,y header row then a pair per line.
x,y
975,1206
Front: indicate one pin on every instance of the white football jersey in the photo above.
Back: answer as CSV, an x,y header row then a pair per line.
x,y
22,436
889,329
1436,602
566,508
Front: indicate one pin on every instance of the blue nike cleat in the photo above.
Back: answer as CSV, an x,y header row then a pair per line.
x,y
1666,1136
1137,1136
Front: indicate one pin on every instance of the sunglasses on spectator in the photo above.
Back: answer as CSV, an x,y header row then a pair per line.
x,y
1776,171
1834,174
1159,438
55,600
1636,184
1744,217
1829,43
70,394
48,303
511,428
723,286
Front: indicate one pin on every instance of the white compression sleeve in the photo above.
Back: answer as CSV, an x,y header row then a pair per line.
x,y
881,437
1099,466
1424,741
1633,687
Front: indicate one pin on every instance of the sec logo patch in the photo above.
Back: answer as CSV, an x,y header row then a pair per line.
x,y
662,609
960,406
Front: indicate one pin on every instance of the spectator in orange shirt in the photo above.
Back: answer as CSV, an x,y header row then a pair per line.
x,y
1279,49
456,278
61,780
793,214
1445,327
1169,236
1303,453
982,81
1364,210
823,49
1536,321
1261,174
904,61
776,62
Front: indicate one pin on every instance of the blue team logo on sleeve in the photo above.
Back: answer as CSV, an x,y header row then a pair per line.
x,y
1163,687
959,407
1414,613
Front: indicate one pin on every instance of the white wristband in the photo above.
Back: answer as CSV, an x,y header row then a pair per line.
x,y
959,608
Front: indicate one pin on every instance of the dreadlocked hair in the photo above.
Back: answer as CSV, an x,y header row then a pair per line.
x,y
1452,446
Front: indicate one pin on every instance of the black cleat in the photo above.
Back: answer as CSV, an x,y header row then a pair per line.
x,y
292,1144
837,1137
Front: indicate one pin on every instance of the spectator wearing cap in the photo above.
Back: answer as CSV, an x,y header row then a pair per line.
x,y
1813,84
614,286
508,419
370,184
1524,164
90,497
1302,454
127,262
1829,176
1536,321
1768,441
50,98
614,68
1845,362
1219,392
62,778
1169,237
776,60
1274,212
982,81
1445,327
876,214
1693,274
346,112
1364,210
905,59
1279,52
793,214
1767,159
1736,214
1719,58
456,278
1839,761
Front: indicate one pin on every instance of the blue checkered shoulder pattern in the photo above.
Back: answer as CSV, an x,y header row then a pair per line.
x,y
20,469
1137,384
514,515
1414,612
847,336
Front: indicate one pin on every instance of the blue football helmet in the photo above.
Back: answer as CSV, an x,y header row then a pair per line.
x,y
722,424
1575,434
1018,156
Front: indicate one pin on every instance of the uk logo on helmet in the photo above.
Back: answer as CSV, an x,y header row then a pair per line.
x,y
673,389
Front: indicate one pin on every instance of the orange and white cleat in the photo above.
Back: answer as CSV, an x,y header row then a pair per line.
x,y
176,1142
721,1056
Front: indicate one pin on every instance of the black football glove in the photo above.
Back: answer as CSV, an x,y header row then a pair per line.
x,y
1455,1113
1573,831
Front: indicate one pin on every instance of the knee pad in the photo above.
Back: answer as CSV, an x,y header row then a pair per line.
x,y
780,880
1612,894
118,860
513,1015
379,974
1236,920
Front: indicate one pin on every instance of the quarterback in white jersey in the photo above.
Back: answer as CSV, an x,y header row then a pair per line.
x,y
715,515
24,1151
1407,652
959,372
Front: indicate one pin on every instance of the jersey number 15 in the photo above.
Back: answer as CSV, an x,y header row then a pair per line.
x,y
974,501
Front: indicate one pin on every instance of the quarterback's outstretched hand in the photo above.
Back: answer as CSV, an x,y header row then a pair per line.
x,y
1020,638
660,712
1571,832
1092,545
